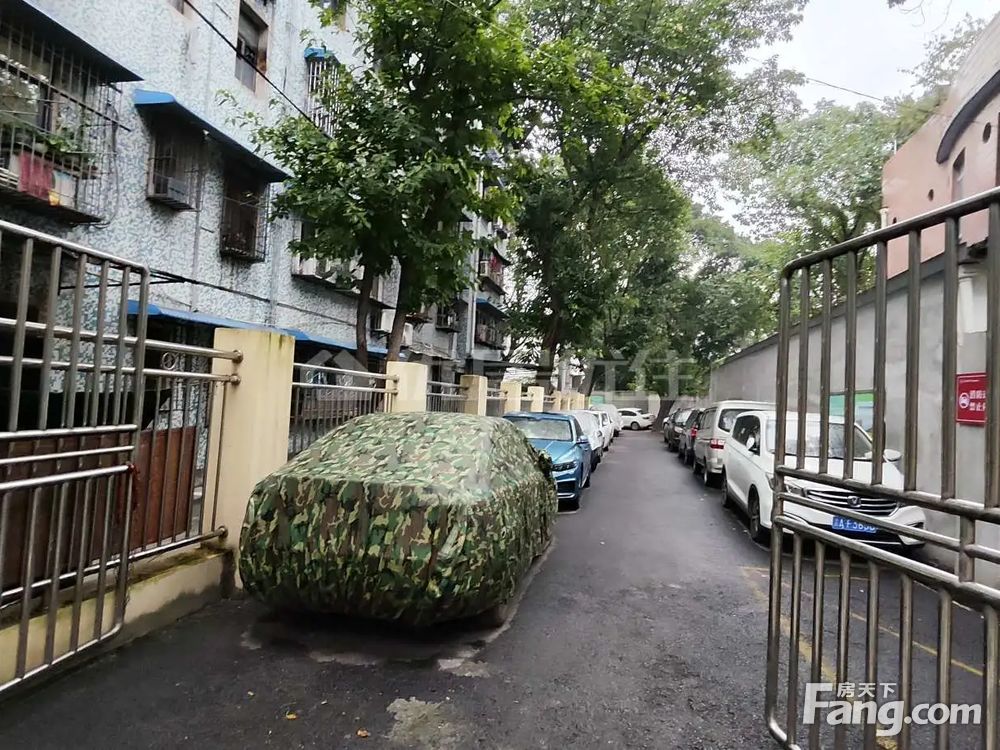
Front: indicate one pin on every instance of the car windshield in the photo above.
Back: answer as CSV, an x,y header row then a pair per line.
x,y
544,429
862,445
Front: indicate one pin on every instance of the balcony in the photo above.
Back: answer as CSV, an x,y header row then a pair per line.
x,y
491,270
490,335
59,106
446,320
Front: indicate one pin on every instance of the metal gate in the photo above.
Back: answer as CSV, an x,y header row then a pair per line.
x,y
71,393
854,625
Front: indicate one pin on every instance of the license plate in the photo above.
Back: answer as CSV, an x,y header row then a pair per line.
x,y
849,524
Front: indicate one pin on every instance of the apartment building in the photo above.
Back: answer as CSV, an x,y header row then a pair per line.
x,y
120,129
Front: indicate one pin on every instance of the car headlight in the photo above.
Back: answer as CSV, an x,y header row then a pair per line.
x,y
565,466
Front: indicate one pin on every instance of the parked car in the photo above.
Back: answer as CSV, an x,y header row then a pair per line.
x,y
561,438
749,464
355,523
592,429
636,419
688,434
673,425
612,411
714,427
607,429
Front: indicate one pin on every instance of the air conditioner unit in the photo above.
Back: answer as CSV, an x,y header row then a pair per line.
x,y
407,334
386,321
303,266
171,191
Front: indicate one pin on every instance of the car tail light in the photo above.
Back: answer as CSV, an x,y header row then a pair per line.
x,y
717,444
694,432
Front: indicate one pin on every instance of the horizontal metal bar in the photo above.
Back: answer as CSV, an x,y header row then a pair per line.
x,y
182,375
341,371
448,386
941,540
115,561
17,230
65,332
70,476
969,205
348,388
59,365
67,454
964,508
64,432
972,594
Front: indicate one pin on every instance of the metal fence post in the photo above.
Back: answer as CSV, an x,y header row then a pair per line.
x,y
474,389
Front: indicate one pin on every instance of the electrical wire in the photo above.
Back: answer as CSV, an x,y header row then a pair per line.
x,y
261,73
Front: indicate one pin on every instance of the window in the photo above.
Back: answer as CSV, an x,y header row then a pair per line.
x,y
743,428
250,50
173,170
958,177
244,204
728,417
323,73
706,419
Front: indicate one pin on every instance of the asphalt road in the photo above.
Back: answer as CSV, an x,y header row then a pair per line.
x,y
644,626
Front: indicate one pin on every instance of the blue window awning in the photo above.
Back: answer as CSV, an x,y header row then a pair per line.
x,y
26,15
483,303
217,321
163,103
319,53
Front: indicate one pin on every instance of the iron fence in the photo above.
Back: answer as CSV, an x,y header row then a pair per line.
x,y
845,610
326,397
445,397
495,402
548,403
526,403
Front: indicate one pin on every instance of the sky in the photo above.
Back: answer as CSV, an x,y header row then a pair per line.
x,y
866,46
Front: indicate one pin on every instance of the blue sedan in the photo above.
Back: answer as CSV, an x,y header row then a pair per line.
x,y
563,440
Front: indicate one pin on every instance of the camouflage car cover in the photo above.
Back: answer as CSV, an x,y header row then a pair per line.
x,y
413,517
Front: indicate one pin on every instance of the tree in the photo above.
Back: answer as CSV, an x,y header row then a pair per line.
x,y
414,132
651,78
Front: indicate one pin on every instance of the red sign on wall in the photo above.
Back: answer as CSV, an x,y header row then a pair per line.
x,y
970,390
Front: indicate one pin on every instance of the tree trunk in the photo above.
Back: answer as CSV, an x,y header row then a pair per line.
x,y
665,404
547,355
399,319
361,322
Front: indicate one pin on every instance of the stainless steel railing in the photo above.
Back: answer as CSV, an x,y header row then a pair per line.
x,y
324,398
448,397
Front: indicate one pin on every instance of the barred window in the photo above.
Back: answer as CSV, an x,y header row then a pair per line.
x,y
323,72
244,214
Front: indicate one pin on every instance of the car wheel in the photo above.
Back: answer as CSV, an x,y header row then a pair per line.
x,y
757,531
709,479
589,477
695,466
727,498
634,425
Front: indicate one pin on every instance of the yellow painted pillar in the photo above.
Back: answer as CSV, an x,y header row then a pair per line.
x,y
579,400
474,390
411,386
557,400
537,395
249,427
511,390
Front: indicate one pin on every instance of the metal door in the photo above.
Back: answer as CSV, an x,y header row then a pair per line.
x,y
71,384
867,324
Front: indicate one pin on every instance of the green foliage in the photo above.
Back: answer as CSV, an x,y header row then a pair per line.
x,y
414,131
636,86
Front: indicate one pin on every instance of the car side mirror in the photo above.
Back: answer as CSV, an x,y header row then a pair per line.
x,y
583,440
752,445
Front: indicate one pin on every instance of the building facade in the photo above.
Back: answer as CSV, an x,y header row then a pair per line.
x,y
121,128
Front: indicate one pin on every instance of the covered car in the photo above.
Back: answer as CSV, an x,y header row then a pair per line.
x,y
418,518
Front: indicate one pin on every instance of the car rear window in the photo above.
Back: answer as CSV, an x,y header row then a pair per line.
x,y
727,418
544,429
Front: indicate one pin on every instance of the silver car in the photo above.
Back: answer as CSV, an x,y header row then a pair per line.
x,y
714,426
